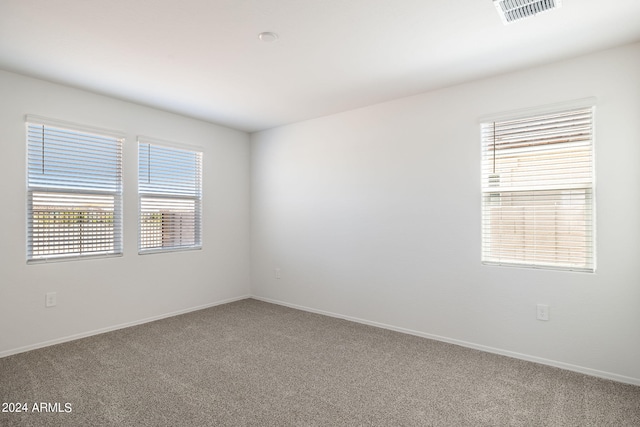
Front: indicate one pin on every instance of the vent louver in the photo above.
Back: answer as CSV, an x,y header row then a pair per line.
x,y
514,10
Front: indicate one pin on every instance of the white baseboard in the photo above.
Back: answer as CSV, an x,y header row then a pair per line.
x,y
116,327
542,361
521,356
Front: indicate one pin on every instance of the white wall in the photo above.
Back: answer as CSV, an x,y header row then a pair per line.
x,y
100,294
374,214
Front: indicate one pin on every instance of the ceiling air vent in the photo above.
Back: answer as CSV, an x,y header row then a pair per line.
x,y
514,10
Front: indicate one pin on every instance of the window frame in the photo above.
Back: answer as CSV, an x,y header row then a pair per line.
x,y
527,114
46,188
168,196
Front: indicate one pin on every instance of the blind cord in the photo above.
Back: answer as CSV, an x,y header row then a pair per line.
x,y
43,150
494,148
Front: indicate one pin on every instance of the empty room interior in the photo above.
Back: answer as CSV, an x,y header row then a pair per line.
x,y
306,212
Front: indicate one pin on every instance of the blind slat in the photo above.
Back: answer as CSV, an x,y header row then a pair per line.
x,y
537,184
170,195
74,193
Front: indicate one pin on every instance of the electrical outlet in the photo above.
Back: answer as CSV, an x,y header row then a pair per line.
x,y
277,273
542,312
50,299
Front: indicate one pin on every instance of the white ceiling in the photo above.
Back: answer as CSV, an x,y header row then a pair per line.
x,y
202,58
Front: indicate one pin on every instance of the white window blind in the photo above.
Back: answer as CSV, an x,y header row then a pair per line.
x,y
74,192
537,185
170,192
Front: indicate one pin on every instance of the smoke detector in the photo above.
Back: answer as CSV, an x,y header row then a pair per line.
x,y
514,10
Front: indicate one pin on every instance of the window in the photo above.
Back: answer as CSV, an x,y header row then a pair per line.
x,y
170,192
537,190
74,191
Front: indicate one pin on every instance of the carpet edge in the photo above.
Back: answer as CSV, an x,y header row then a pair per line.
x,y
99,331
521,356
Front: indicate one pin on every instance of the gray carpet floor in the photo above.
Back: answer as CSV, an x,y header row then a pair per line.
x,y
251,363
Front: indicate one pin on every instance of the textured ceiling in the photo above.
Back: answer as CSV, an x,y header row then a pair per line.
x,y
202,58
